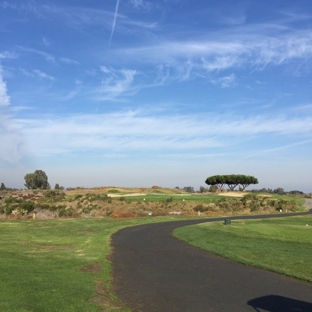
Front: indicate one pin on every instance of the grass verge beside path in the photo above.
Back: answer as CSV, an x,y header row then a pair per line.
x,y
280,245
59,265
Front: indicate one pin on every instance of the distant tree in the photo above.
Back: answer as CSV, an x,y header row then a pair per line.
x,y
296,192
213,188
188,189
57,186
37,180
231,180
203,189
2,187
279,191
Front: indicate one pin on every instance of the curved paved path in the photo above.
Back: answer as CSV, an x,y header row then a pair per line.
x,y
155,272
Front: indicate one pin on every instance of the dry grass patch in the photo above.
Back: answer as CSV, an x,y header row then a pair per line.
x,y
123,214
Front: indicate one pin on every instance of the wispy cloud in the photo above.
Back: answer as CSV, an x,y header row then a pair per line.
x,y
7,55
226,81
46,42
306,108
279,148
116,83
9,133
47,56
143,4
68,61
36,73
43,75
245,50
135,130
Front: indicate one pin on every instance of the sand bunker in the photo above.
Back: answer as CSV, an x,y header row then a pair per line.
x,y
124,195
233,194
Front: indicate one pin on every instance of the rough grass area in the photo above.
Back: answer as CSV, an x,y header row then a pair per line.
x,y
136,202
280,245
58,265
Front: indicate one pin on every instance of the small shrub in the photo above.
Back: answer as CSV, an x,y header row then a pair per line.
x,y
42,206
199,208
77,196
27,206
19,211
11,200
66,212
169,200
255,207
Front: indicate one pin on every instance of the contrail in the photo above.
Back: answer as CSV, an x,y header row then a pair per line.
x,y
114,23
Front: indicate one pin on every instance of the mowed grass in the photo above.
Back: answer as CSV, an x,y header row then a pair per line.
x,y
175,197
280,245
58,265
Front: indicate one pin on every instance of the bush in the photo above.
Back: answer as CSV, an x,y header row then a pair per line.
x,y
200,208
66,212
11,200
27,206
169,200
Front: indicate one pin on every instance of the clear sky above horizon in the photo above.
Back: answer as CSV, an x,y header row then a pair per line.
x,y
163,92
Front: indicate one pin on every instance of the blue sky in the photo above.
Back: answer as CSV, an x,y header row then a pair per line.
x,y
162,92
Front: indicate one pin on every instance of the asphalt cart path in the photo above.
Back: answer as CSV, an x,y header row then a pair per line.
x,y
155,272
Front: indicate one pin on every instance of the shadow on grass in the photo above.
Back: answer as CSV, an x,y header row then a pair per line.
x,y
279,304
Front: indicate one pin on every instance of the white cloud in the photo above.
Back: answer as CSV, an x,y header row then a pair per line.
x,y
279,148
137,3
47,56
36,73
43,75
68,61
46,42
117,83
4,97
143,4
9,131
226,81
229,51
10,143
135,131
7,55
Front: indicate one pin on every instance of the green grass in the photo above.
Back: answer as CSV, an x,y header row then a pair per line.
x,y
175,197
280,245
61,265
58,265
113,191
